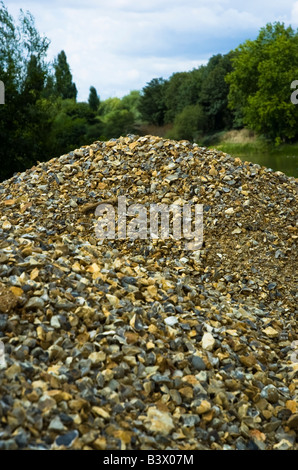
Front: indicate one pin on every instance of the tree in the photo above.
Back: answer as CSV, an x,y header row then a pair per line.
x,y
214,93
181,90
25,119
117,123
263,70
173,102
152,102
188,124
34,80
63,78
93,99
131,102
109,105
75,124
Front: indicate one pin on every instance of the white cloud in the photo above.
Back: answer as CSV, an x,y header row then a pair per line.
x,y
120,45
294,14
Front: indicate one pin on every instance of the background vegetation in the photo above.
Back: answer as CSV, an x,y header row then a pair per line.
x,y
247,88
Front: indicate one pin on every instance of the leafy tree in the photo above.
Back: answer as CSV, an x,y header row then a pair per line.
x,y
25,119
260,82
181,90
75,124
173,101
49,90
93,99
117,123
63,77
131,103
109,105
214,93
34,81
152,102
188,124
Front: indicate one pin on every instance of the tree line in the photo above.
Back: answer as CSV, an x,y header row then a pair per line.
x,y
248,87
41,118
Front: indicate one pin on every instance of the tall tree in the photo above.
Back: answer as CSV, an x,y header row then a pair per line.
x,y
34,80
131,103
63,77
263,71
214,93
152,102
181,90
93,99
24,119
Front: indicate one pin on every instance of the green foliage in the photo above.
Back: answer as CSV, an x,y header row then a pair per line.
x,y
118,122
93,99
64,85
109,105
131,102
118,116
73,125
260,82
181,90
214,94
152,102
188,124
25,118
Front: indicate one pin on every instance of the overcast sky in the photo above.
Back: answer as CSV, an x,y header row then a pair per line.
x,y
120,45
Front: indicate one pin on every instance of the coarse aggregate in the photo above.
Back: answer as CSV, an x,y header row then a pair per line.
x,y
142,344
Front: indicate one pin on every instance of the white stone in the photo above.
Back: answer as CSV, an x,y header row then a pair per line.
x,y
171,320
229,211
208,342
158,421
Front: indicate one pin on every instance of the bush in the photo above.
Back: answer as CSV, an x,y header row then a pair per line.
x,y
188,124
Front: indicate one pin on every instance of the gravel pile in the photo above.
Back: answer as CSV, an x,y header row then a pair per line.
x,y
143,344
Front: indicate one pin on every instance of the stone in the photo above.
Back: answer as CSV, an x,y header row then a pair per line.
x,y
198,363
67,440
158,421
270,393
283,445
148,344
7,299
208,342
271,332
56,425
203,407
35,302
97,357
293,421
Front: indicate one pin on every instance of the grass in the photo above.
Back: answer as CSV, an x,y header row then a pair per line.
x,y
249,147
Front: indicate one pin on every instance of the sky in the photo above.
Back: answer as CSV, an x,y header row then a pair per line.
x,y
120,45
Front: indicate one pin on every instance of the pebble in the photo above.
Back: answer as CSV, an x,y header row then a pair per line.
x,y
144,344
159,422
56,425
208,342
198,363
35,302
270,392
67,440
